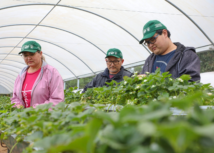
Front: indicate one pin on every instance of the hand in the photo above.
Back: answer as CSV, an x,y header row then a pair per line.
x,y
141,75
19,106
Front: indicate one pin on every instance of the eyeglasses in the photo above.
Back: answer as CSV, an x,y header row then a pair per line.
x,y
28,55
113,62
151,40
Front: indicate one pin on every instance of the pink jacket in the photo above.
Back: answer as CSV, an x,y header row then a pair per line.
x,y
48,87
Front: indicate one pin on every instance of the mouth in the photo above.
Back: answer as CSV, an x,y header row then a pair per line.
x,y
154,48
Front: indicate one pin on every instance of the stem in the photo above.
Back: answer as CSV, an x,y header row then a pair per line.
x,y
13,147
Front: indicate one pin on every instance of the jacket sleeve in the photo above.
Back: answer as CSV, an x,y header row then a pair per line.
x,y
15,99
143,70
90,85
56,88
130,74
190,64
145,67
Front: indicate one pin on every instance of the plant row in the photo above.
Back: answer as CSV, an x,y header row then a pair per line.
x,y
144,124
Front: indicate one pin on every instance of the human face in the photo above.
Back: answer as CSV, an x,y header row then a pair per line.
x,y
158,43
32,59
114,64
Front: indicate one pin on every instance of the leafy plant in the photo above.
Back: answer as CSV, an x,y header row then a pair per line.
x,y
144,124
139,90
71,95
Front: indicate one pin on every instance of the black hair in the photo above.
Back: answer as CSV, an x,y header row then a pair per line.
x,y
161,31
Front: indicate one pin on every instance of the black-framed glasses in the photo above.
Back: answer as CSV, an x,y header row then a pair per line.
x,y
113,62
27,55
151,40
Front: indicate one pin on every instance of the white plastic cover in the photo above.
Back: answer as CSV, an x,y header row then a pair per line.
x,y
207,77
75,35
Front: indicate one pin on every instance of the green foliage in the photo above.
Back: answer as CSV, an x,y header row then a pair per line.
x,y
71,96
139,90
206,59
149,128
5,104
144,124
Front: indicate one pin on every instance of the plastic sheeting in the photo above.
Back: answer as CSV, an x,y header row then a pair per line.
x,y
75,35
207,78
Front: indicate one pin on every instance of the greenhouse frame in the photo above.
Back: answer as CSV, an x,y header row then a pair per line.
x,y
75,35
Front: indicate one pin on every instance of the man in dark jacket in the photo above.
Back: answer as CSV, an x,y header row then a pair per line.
x,y
166,55
114,71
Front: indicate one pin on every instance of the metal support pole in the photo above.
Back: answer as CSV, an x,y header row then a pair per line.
x,y
78,84
64,85
192,21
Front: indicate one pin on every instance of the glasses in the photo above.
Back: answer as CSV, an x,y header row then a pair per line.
x,y
113,62
151,40
28,55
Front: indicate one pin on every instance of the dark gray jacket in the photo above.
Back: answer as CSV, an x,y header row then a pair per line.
x,y
103,77
184,61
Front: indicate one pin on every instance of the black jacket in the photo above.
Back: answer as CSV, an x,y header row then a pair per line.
x,y
103,77
184,61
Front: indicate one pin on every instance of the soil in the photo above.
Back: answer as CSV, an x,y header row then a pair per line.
x,y
3,150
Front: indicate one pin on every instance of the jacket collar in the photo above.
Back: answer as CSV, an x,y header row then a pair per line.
x,y
119,74
25,68
178,55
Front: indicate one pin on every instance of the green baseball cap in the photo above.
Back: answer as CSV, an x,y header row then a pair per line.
x,y
114,52
150,29
30,46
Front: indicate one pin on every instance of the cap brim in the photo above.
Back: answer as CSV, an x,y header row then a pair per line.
x,y
31,51
147,36
114,56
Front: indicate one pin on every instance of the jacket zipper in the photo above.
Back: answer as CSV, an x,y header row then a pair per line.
x,y
21,91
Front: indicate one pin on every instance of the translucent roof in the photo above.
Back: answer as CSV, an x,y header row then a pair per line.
x,y
75,35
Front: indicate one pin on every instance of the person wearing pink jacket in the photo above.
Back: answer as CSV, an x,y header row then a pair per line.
x,y
38,83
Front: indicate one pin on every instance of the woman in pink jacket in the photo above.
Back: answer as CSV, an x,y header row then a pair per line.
x,y
38,83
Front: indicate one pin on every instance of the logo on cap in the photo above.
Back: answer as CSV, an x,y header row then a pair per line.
x,y
27,46
147,29
31,46
158,25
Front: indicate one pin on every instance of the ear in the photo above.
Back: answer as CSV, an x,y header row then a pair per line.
x,y
165,33
122,61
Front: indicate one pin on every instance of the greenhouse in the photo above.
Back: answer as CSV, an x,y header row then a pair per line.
x,y
151,112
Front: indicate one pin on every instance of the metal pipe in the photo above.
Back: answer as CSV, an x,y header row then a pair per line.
x,y
56,29
6,86
33,28
45,55
79,10
78,83
192,21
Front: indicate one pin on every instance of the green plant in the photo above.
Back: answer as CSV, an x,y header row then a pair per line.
x,y
144,124
71,95
139,90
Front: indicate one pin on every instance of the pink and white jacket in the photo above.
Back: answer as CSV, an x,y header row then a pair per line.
x,y
48,87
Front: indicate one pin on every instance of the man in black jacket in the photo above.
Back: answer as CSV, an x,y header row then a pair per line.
x,y
114,71
166,55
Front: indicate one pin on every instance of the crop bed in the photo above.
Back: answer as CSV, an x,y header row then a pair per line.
x,y
137,115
